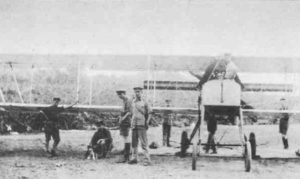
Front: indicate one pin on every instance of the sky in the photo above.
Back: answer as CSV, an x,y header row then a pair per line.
x,y
153,27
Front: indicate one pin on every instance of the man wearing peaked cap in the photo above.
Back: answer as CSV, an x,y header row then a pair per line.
x,y
138,88
121,91
125,123
51,125
56,99
141,115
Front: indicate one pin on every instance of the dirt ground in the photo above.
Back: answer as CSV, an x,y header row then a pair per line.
x,y
23,156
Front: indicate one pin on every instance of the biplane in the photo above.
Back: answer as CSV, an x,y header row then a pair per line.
x,y
220,96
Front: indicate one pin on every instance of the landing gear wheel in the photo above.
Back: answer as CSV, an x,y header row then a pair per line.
x,y
184,144
194,156
252,141
248,156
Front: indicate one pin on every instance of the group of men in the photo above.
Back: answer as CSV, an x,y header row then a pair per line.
x,y
134,120
136,116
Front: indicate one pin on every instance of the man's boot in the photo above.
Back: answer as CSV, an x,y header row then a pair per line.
x,y
47,147
168,136
134,156
285,143
164,139
208,143
213,146
147,160
53,151
168,141
126,153
123,152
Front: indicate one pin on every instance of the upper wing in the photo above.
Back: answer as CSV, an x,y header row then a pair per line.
x,y
153,62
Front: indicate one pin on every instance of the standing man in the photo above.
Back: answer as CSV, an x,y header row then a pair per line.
x,y
141,114
167,123
284,123
211,128
125,122
51,128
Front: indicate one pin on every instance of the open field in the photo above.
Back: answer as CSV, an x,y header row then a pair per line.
x,y
23,156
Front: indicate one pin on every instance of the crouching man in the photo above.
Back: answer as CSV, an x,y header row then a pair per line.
x,y
101,142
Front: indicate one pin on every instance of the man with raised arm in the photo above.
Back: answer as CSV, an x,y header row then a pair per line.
x,y
51,125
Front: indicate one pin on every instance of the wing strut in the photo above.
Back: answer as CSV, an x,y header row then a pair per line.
x,y
31,83
78,80
16,82
2,96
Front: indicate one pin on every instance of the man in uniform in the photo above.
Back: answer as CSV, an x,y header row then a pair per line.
x,y
167,123
141,114
125,123
222,66
284,123
211,128
51,128
101,141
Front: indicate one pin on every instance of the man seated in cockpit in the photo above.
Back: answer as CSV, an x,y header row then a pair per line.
x,y
219,68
